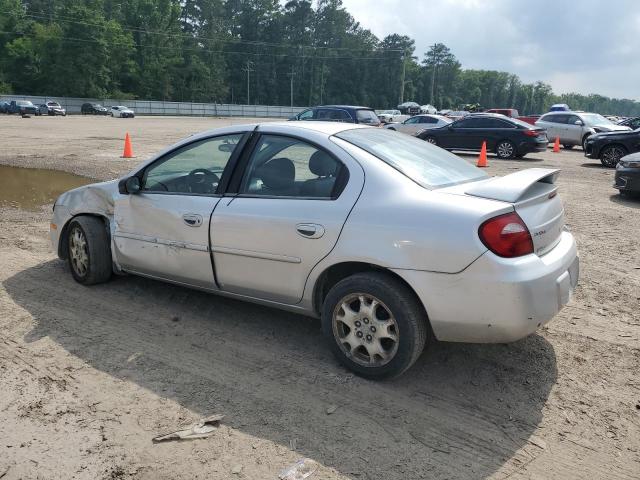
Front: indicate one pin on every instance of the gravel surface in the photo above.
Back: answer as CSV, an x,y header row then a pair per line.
x,y
88,376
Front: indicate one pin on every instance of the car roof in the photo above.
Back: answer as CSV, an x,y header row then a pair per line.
x,y
353,107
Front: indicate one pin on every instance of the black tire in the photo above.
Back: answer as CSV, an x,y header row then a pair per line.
x,y
567,147
611,155
403,307
98,250
431,139
505,149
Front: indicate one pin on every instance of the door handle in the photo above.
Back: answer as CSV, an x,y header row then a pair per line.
x,y
192,219
310,230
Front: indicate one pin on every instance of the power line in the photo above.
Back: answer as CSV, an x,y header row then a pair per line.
x,y
197,37
183,49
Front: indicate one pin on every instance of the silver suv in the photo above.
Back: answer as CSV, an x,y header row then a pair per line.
x,y
573,128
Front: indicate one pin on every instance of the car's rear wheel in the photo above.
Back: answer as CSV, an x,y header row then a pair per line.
x,y
505,149
611,155
431,140
89,252
374,324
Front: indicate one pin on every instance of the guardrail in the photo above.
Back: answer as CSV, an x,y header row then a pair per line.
x,y
157,107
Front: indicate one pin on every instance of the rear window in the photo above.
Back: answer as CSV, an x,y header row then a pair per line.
x,y
368,117
425,164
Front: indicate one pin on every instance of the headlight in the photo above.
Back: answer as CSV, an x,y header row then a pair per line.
x,y
629,164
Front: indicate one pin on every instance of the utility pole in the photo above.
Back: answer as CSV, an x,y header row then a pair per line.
x,y
404,72
248,69
291,74
322,82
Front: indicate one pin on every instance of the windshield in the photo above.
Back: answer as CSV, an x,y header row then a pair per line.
x,y
425,164
368,117
596,119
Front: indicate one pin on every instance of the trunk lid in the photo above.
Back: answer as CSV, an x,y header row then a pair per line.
x,y
534,196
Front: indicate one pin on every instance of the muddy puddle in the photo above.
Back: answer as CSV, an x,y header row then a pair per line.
x,y
29,188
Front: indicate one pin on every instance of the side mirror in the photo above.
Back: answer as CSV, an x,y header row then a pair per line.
x,y
130,185
226,147
579,122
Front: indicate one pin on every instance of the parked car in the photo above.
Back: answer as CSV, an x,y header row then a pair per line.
x,y
627,178
506,137
417,124
323,222
339,113
388,116
93,109
120,111
573,128
560,107
632,123
610,147
4,107
22,107
507,112
456,114
54,108
428,109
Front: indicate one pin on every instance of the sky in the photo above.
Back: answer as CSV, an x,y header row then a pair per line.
x,y
583,46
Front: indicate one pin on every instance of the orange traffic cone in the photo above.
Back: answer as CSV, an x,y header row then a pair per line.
x,y
482,159
128,151
556,145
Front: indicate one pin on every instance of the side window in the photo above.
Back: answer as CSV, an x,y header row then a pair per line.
x,y
323,114
306,115
428,120
288,167
468,123
495,123
193,169
573,119
412,120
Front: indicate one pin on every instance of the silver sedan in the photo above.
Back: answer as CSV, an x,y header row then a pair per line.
x,y
386,238
418,123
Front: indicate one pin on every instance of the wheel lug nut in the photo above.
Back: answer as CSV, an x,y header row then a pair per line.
x,y
369,337
358,323
359,334
366,320
373,328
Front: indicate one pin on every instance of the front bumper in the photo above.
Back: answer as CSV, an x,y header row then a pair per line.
x,y
627,179
59,219
498,300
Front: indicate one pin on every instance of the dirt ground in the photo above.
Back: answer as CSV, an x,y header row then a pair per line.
x,y
88,376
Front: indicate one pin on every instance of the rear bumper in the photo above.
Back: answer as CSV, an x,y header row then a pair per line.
x,y
498,300
627,179
532,146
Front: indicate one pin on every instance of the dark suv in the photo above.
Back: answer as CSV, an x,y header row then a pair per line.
x,y
93,109
339,113
507,137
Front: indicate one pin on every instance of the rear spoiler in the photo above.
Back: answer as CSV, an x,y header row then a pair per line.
x,y
513,187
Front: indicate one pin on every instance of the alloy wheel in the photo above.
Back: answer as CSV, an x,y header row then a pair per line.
x,y
431,140
611,156
78,251
505,150
365,330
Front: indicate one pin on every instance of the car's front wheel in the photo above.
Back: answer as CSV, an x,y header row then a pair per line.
x,y
611,155
505,149
430,139
374,324
88,250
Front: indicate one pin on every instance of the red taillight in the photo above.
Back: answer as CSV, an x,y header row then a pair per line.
x,y
506,235
532,133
